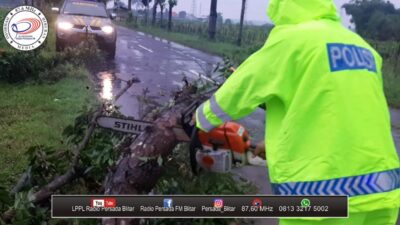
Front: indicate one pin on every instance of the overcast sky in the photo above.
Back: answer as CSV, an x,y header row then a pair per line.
x,y
256,9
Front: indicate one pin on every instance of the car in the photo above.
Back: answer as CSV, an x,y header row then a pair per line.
x,y
79,19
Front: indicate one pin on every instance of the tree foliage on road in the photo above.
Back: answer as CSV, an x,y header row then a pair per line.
x,y
375,19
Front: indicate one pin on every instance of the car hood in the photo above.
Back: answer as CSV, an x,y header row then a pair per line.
x,y
85,20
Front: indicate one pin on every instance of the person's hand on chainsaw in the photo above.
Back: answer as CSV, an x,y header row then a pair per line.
x,y
260,149
194,119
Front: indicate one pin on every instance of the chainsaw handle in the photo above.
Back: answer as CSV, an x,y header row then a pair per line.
x,y
195,144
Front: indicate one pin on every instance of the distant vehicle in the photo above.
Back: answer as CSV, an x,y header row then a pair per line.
x,y
77,20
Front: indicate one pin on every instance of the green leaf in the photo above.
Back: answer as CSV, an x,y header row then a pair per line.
x,y
5,196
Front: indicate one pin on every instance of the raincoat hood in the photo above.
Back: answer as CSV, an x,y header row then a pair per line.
x,y
284,12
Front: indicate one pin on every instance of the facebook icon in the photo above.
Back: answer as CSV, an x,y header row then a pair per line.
x,y
167,202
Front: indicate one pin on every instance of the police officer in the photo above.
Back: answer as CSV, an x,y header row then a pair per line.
x,y
328,124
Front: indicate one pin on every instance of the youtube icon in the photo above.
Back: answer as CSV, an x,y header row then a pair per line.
x,y
110,203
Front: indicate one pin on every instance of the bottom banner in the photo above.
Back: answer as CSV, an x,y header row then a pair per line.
x,y
198,206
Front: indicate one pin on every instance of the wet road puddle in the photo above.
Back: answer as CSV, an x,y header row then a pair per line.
x,y
106,82
134,102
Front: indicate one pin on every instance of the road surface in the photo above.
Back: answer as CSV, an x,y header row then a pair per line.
x,y
10,3
161,66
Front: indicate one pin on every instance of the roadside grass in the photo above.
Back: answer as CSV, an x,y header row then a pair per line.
x,y
391,81
36,115
390,51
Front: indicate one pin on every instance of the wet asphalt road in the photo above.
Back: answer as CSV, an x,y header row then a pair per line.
x,y
161,65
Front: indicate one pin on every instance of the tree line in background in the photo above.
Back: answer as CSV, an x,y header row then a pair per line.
x,y
379,22
161,5
214,19
375,19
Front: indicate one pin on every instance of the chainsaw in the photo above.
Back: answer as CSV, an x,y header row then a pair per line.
x,y
217,151
220,149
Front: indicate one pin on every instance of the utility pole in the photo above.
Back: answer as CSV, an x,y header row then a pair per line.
x,y
146,19
212,25
239,41
194,7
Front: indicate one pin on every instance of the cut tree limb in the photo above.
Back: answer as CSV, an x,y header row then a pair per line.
x,y
139,169
22,182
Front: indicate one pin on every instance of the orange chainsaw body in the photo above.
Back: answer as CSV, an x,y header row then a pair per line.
x,y
230,136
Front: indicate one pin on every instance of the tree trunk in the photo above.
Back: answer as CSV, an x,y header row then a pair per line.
x,y
162,15
239,41
153,21
129,6
212,25
139,168
138,171
146,16
170,17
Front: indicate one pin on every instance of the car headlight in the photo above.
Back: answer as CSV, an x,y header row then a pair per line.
x,y
107,29
65,25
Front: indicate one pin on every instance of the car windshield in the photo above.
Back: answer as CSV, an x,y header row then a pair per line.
x,y
85,9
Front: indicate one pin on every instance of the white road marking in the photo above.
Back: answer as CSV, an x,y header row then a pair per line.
x,y
147,49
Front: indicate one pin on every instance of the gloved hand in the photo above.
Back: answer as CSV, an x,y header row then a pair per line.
x,y
260,149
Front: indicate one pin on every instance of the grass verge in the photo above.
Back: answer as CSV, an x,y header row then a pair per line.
x,y
391,82
36,115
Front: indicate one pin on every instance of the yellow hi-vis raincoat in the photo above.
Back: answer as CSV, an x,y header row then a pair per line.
x,y
327,123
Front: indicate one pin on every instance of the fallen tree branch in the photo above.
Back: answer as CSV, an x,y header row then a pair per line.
x,y
22,182
129,84
138,170
45,192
